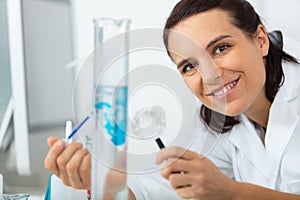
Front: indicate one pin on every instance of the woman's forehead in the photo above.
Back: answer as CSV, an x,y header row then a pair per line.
x,y
192,36
205,26
207,18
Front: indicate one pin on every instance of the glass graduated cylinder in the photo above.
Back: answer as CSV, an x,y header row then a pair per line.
x,y
109,140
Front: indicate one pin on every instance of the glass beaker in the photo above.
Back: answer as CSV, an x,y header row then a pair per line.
x,y
109,140
16,196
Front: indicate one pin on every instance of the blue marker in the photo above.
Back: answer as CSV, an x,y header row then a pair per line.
x,y
78,127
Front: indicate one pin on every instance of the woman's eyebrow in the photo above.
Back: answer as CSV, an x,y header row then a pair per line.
x,y
217,39
182,62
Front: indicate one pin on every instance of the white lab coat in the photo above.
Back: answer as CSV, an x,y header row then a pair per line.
x,y
240,153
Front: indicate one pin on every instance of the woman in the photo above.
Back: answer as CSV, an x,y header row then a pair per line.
x,y
254,87
258,97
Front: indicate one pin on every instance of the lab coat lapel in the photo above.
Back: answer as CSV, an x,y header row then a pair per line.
x,y
283,118
281,125
246,140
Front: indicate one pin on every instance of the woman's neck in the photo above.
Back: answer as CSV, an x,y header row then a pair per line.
x,y
259,111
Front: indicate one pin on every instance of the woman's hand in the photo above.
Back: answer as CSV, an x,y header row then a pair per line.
x,y
194,176
72,164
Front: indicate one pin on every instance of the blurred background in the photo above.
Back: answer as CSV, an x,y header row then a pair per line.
x,y
42,46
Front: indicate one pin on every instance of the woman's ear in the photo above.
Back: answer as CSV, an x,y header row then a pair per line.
x,y
262,39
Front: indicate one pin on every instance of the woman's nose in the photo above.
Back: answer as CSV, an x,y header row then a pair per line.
x,y
214,80
211,74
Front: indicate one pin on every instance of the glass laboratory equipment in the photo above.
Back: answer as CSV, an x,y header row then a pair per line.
x,y
110,80
16,196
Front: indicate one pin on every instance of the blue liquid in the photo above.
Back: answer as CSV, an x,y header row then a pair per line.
x,y
112,117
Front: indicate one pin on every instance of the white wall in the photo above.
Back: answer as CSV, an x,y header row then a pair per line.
x,y
144,14
282,15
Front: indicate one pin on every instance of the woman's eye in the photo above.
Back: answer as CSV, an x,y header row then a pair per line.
x,y
189,68
221,48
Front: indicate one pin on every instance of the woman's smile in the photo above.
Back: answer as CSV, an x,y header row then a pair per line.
x,y
224,90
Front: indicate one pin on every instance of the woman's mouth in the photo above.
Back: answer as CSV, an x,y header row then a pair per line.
x,y
224,89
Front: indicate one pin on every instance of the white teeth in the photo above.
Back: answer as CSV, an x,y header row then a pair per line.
x,y
224,89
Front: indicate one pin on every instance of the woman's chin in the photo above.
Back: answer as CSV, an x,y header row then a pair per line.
x,y
229,112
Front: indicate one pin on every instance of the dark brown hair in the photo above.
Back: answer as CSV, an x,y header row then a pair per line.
x,y
244,17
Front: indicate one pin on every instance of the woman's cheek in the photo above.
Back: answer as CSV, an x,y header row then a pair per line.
x,y
194,85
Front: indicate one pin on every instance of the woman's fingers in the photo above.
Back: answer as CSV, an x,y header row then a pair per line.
x,y
85,171
64,158
72,163
50,160
186,192
72,168
192,175
180,180
175,166
52,140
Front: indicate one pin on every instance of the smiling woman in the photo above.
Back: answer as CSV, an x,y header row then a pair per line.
x,y
227,35
237,83
243,82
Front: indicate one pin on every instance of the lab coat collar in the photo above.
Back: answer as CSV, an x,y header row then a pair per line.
x,y
244,137
291,83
